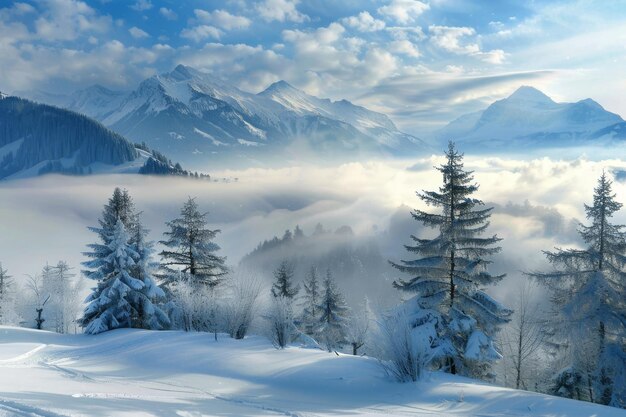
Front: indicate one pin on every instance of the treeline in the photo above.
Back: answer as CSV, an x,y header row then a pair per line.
x,y
159,164
447,321
49,133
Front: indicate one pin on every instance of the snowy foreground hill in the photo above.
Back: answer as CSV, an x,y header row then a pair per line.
x,y
146,373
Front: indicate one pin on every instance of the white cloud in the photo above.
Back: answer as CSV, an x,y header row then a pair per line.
x,y
169,14
451,39
137,33
222,19
66,20
329,63
403,11
404,47
23,8
364,22
250,67
142,5
51,68
201,32
495,56
280,10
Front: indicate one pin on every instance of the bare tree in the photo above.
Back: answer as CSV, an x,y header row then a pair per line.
x,y
358,327
35,285
242,304
6,295
522,338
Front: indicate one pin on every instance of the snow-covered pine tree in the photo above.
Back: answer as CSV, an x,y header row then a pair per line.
x,y
6,295
120,206
450,273
147,313
111,267
587,288
283,286
310,304
191,250
333,315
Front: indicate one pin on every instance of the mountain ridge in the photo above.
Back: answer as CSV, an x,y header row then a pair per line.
x,y
192,115
528,117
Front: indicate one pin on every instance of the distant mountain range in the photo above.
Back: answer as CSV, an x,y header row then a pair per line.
x,y
37,139
529,118
194,117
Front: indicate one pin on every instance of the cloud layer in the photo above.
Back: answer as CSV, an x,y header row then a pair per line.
x,y
535,205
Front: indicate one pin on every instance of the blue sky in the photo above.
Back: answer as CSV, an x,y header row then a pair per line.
x,y
421,62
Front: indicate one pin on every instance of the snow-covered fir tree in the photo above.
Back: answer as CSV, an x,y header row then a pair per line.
x,y
147,313
310,317
131,278
283,285
587,288
333,312
190,249
449,275
111,267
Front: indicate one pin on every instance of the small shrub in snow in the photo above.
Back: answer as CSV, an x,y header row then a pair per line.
x,y
404,349
280,321
241,306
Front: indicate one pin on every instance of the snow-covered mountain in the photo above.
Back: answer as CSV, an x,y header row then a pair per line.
x,y
191,115
37,139
530,118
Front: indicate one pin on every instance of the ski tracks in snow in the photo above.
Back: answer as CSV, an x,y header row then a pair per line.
x,y
13,409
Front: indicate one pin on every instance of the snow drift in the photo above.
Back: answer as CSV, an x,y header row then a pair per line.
x,y
149,373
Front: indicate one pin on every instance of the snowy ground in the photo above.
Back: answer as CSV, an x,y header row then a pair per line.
x,y
141,373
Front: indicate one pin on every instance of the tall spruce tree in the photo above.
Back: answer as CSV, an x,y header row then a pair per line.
x,y
120,206
333,319
450,273
310,304
283,286
111,267
147,313
191,250
587,288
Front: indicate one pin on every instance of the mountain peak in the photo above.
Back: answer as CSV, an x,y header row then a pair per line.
x,y
531,94
279,86
182,72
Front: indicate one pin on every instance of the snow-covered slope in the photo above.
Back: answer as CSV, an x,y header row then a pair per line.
x,y
530,118
95,101
191,116
37,139
146,373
